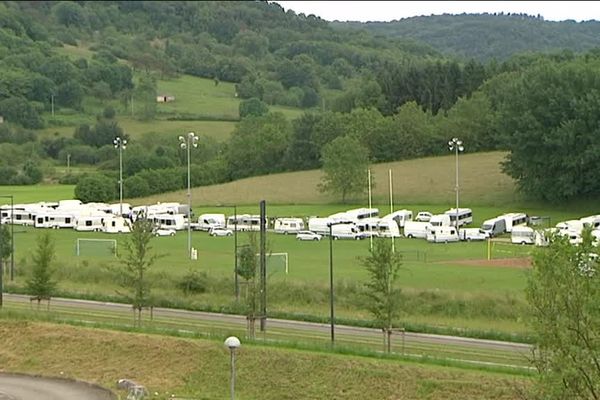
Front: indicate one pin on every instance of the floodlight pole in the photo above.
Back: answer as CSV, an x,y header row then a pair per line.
x,y
235,265
190,140
331,298
120,144
456,145
12,253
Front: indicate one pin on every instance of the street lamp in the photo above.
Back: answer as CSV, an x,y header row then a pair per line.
x,y
331,308
120,144
187,142
232,343
456,145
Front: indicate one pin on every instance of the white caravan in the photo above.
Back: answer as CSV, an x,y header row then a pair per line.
x,y
464,215
400,216
319,225
592,221
55,220
355,215
115,224
208,221
574,225
442,234
170,221
369,227
90,223
440,220
244,222
514,219
388,228
523,235
288,225
416,229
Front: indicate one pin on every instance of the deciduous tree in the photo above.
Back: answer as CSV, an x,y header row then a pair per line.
x,y
40,284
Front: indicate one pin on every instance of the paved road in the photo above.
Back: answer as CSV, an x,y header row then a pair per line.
x,y
23,387
291,325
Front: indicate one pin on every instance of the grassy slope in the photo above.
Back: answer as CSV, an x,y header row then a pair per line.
x,y
200,368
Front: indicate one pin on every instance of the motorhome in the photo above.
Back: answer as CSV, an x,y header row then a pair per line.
x,y
319,225
244,222
440,220
494,227
416,229
400,216
464,216
208,221
514,219
288,225
522,235
442,234
346,231
355,215
170,221
115,224
388,228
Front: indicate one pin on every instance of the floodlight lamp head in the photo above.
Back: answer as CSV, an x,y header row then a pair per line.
x,y
461,148
232,342
183,145
181,139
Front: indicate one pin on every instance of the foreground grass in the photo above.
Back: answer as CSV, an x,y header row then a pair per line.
x,y
200,368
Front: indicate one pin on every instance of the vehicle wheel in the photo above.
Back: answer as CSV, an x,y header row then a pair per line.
x,y
522,243
317,239
410,236
335,238
357,238
229,234
468,239
285,232
171,234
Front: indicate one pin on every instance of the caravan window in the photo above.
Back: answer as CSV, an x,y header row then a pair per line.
x,y
67,220
88,223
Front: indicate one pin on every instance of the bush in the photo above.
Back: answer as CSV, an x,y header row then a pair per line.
x,y
96,188
193,282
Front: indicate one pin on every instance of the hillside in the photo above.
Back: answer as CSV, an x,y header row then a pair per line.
x,y
489,36
200,368
421,181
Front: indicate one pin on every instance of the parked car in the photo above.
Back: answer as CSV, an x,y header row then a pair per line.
x,y
164,232
217,231
423,216
308,235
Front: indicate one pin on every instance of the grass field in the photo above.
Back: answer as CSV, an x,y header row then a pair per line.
x,y
199,368
36,193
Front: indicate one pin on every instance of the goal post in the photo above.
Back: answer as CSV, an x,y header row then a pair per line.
x,y
96,248
276,262
504,249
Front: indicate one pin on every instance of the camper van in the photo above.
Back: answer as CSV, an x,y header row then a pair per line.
x,y
346,231
440,220
514,219
388,228
442,234
244,222
400,216
522,235
494,227
288,225
208,221
415,229
464,216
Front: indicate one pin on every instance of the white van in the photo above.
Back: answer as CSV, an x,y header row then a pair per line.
x,y
464,215
494,227
288,225
346,231
470,234
440,220
208,221
442,234
522,235
416,229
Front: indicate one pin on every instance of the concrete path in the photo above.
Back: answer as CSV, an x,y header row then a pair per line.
x,y
23,387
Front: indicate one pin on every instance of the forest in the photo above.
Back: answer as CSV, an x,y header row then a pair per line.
x,y
396,95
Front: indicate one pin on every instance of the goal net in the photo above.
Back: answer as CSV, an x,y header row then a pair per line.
x,y
276,262
501,249
96,248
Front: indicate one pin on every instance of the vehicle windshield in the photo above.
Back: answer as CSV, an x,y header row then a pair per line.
x,y
487,227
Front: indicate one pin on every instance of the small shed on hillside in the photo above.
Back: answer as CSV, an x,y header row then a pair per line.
x,y
164,98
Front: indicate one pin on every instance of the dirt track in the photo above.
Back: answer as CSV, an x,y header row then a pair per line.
x,y
23,387
500,262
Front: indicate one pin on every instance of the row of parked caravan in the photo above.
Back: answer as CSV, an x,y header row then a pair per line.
x,y
92,217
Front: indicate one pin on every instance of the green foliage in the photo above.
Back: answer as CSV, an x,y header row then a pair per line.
x,y
253,107
193,282
563,293
145,96
40,283
96,188
548,116
5,243
20,111
137,260
32,171
345,163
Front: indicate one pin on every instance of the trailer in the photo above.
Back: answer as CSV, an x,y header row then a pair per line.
x,y
416,229
463,215
90,223
442,234
388,228
244,222
288,225
523,235
400,216
319,225
115,224
177,222
514,219
55,220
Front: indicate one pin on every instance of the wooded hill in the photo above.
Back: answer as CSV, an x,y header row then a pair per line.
x,y
488,36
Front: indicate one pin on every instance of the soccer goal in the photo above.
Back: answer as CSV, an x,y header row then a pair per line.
x,y
501,249
96,248
276,262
